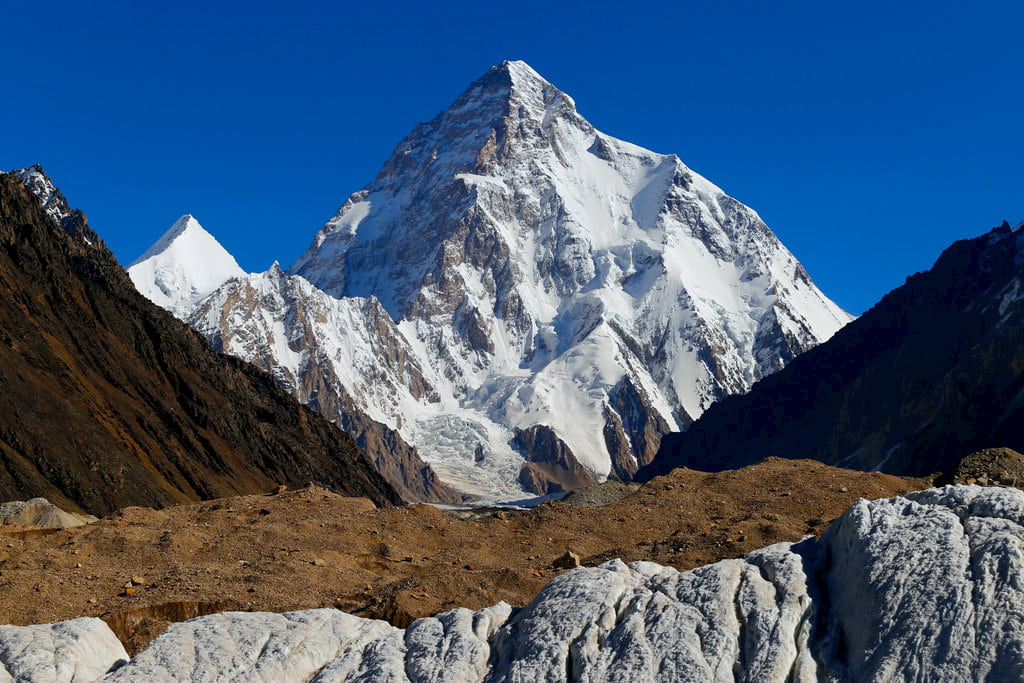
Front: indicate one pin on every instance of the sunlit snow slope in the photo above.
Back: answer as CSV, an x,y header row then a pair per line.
x,y
518,294
183,267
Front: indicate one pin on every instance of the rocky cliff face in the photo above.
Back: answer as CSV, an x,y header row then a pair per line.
x,y
56,206
931,373
925,587
511,267
108,401
339,357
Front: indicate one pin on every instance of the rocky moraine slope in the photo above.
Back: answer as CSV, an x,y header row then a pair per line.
x,y
915,588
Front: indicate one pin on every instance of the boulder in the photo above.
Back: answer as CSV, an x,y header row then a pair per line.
x,y
76,651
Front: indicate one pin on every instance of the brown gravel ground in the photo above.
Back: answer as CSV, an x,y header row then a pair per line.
x,y
311,548
989,467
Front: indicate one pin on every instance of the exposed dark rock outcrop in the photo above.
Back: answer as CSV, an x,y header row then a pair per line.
x,y
550,466
931,373
988,467
633,428
108,401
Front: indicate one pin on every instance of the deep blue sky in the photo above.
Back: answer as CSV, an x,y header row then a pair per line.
x,y
868,136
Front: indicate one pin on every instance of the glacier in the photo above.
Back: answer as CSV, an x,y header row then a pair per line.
x,y
929,586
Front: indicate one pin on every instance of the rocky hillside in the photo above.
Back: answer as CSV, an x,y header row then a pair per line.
x,y
526,300
109,401
923,587
931,373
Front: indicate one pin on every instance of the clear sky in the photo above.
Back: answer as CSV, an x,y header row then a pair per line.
x,y
867,135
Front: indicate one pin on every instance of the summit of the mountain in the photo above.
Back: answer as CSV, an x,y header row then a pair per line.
x,y
548,286
184,266
554,275
185,224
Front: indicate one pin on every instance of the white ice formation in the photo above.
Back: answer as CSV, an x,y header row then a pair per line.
x,y
76,651
41,512
925,587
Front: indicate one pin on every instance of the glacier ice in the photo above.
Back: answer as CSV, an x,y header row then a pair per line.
x,y
929,586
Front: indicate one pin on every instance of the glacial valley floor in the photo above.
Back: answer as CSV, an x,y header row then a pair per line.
x,y
141,569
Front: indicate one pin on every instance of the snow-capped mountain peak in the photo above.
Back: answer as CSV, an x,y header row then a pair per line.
x,y
185,224
531,302
526,86
554,275
184,266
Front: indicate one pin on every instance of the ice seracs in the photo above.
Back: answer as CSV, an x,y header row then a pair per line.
x,y
529,276
183,267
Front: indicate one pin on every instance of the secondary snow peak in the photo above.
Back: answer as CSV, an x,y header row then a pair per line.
x,y
187,223
184,266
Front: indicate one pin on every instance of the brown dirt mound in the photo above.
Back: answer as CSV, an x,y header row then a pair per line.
x,y
989,467
311,548
604,493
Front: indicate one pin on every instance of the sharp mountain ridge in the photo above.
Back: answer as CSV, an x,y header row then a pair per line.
x,y
515,278
931,373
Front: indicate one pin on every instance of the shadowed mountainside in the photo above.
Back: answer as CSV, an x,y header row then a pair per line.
x,y
932,372
109,401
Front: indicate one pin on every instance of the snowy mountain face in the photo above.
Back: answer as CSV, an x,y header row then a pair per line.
x,y
529,301
342,357
183,267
